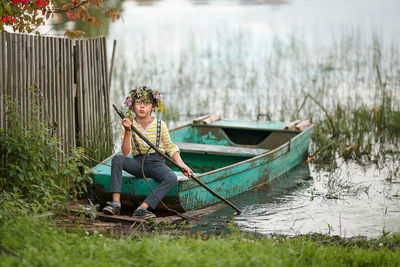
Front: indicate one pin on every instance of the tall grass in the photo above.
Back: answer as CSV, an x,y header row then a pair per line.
x,y
236,75
100,146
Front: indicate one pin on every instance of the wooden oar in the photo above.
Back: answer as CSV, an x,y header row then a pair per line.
x,y
215,194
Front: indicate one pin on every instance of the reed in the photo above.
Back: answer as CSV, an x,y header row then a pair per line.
x,y
100,146
227,76
351,85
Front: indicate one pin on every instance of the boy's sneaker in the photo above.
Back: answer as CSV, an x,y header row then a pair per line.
x,y
113,208
143,213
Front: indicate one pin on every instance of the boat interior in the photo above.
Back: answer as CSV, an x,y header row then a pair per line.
x,y
208,146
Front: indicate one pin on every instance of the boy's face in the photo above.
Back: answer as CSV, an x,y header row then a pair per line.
x,y
143,108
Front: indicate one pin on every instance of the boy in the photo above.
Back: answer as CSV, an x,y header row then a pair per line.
x,y
142,101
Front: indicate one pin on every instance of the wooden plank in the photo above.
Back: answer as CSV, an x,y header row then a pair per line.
x,y
80,207
10,63
86,92
77,89
109,74
18,74
103,75
64,81
73,87
24,81
64,100
83,93
70,87
47,79
25,100
221,150
59,109
92,90
98,106
80,89
53,85
101,87
106,83
36,68
29,72
91,118
41,76
105,65
56,86
3,84
24,72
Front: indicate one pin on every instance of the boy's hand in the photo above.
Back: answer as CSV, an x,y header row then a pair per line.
x,y
188,172
127,124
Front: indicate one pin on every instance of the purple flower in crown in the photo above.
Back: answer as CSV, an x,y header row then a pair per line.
x,y
157,96
128,101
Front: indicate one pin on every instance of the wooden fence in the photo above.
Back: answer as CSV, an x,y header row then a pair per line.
x,y
71,77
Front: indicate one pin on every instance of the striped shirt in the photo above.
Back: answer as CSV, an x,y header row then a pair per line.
x,y
150,133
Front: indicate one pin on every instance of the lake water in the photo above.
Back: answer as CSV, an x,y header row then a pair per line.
x,y
242,58
239,58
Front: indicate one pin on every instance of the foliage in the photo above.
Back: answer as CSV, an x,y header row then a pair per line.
x,y
36,242
34,170
26,16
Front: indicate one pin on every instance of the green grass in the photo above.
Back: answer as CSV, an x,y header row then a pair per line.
x,y
36,242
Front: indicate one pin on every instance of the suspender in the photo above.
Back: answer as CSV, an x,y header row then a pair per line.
x,y
157,140
136,144
158,132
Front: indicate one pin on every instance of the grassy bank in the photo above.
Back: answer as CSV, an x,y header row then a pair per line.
x,y
36,242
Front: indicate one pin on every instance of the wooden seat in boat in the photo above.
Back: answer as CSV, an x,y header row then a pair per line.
x,y
221,150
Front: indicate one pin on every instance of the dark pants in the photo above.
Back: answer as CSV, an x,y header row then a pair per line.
x,y
154,167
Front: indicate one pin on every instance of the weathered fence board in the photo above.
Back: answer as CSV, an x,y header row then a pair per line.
x,y
70,77
2,78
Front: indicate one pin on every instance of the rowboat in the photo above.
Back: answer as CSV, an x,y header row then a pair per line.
x,y
229,156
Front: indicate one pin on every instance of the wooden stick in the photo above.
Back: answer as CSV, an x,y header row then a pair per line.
x,y
316,154
211,119
292,124
175,164
302,125
200,119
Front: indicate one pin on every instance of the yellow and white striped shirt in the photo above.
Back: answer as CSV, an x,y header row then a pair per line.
x,y
150,133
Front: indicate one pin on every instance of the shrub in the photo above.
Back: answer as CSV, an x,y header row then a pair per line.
x,y
34,172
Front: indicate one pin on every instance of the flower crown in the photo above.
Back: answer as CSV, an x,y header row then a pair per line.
x,y
147,94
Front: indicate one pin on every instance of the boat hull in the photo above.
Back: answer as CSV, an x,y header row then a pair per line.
x,y
244,176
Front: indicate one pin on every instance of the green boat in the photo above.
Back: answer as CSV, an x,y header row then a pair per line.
x,y
229,156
